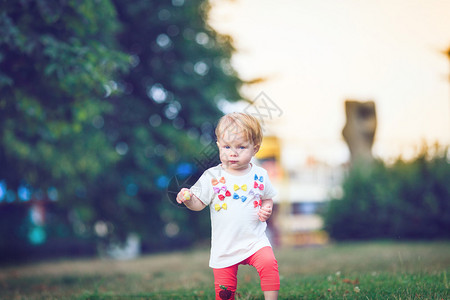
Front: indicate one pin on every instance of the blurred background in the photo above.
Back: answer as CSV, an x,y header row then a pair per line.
x,y
108,107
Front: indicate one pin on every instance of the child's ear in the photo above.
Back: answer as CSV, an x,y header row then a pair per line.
x,y
255,149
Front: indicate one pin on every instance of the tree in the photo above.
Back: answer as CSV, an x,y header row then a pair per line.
x,y
55,58
165,117
102,103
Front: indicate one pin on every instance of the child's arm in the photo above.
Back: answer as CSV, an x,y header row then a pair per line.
x,y
190,200
265,211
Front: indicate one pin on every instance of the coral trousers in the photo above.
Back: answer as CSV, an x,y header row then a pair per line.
x,y
265,263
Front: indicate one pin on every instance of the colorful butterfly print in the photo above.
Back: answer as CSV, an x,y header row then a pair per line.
x,y
258,186
218,207
222,197
243,187
254,194
261,179
257,203
217,189
236,196
214,181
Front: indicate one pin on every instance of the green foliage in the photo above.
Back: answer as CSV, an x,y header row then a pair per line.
x,y
54,60
407,200
163,116
102,102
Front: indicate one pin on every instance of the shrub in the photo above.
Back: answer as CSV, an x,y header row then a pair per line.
x,y
409,200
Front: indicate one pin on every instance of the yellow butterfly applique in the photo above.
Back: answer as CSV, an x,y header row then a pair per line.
x,y
218,207
243,187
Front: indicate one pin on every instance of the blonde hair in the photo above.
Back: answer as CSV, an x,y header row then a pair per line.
x,y
236,123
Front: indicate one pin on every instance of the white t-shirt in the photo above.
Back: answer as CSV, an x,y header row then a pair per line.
x,y
234,201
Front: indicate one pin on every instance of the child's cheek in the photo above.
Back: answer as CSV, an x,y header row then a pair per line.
x,y
223,155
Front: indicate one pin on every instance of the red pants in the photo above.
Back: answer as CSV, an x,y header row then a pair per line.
x,y
265,263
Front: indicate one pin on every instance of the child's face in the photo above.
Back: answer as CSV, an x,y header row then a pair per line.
x,y
236,151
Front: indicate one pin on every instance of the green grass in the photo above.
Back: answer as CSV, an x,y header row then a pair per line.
x,y
376,270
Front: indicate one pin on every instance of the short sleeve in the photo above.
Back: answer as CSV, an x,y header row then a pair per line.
x,y
202,189
269,189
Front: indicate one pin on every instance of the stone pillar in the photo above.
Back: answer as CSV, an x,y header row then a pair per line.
x,y
359,131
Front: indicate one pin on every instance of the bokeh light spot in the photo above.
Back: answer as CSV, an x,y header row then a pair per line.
x,y
185,169
101,229
177,2
122,148
2,190
163,41
171,229
171,110
24,193
162,182
157,93
134,60
164,14
52,193
201,68
155,120
202,38
37,235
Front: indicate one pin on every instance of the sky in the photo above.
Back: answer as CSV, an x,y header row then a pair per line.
x,y
315,55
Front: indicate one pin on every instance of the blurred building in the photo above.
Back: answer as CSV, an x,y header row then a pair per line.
x,y
303,192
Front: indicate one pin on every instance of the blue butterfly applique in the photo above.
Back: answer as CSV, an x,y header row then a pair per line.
x,y
236,196
260,179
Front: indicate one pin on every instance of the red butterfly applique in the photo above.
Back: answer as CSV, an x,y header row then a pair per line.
x,y
257,203
222,197
258,186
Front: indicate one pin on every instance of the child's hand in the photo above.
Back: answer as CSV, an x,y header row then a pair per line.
x,y
184,195
265,211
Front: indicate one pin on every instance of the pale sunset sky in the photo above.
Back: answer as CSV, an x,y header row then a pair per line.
x,y
317,54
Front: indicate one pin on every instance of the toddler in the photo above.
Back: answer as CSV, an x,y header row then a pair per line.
x,y
239,195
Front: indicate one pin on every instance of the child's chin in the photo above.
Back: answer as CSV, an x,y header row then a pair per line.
x,y
236,166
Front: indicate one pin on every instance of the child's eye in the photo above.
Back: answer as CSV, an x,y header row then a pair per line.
x,y
226,147
242,147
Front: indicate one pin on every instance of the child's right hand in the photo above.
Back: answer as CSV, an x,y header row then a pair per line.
x,y
184,195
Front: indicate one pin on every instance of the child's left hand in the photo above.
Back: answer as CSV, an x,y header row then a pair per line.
x,y
265,212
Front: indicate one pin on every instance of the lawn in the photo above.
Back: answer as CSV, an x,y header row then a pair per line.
x,y
375,270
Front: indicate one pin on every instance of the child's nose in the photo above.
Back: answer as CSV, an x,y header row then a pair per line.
x,y
234,152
